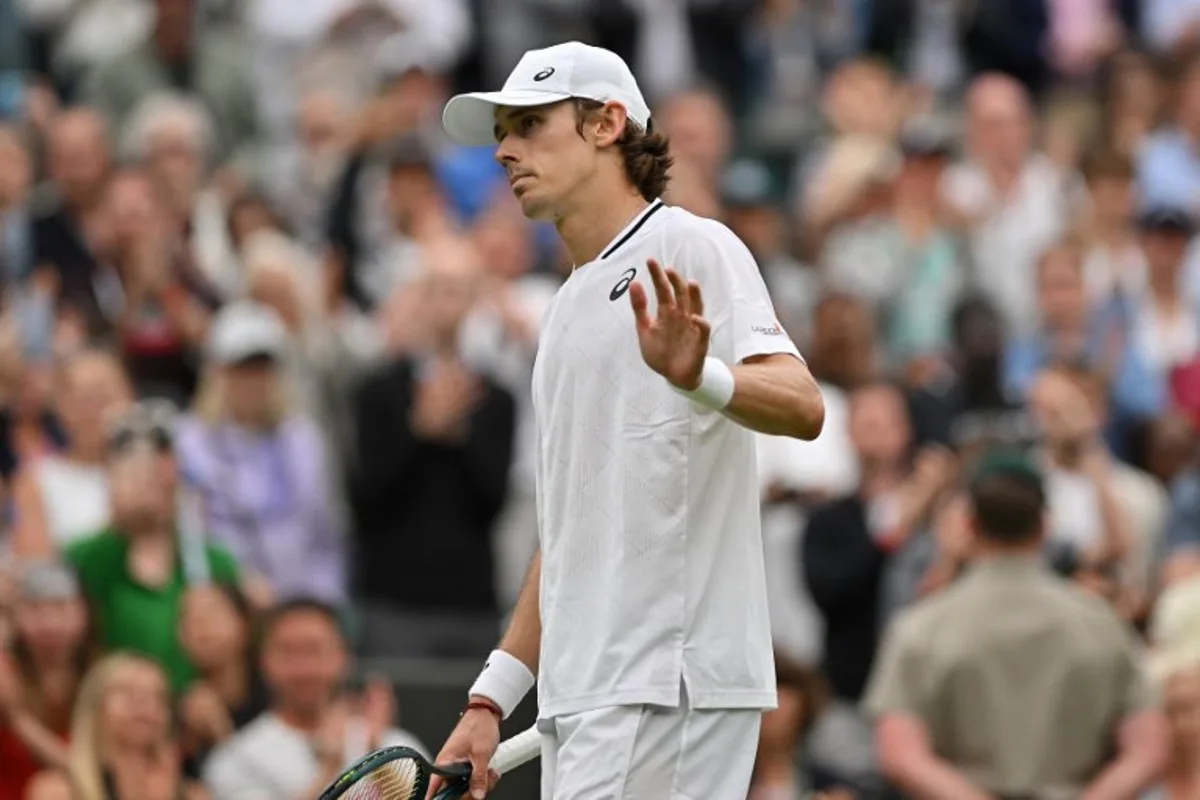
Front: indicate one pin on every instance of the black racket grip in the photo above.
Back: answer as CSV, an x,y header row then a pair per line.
x,y
458,780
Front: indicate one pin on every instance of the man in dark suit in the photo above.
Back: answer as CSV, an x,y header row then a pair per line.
x,y
434,444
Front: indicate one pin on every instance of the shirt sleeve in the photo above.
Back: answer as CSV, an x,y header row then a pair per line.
x,y
736,301
1183,521
226,776
92,563
224,566
894,686
1137,692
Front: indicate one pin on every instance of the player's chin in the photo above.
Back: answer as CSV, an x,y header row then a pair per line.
x,y
534,207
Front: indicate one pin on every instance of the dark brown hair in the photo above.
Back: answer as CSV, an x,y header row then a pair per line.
x,y
808,683
646,152
1008,507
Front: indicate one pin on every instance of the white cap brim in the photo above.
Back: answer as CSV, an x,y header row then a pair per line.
x,y
470,119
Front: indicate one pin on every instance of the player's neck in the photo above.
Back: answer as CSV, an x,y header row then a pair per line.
x,y
596,220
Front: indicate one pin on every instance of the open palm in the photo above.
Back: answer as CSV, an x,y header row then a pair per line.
x,y
674,341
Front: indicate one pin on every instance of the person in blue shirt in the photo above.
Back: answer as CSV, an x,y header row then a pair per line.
x,y
1072,333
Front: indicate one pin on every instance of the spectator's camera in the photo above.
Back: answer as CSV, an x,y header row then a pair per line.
x,y
975,431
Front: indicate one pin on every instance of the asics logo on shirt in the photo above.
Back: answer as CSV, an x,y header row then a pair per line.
x,y
623,284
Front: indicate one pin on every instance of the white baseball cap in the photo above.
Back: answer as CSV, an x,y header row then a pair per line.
x,y
542,77
245,329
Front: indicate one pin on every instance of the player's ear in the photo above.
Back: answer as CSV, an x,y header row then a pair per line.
x,y
609,124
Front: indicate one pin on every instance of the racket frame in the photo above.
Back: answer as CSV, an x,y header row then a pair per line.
x,y
458,774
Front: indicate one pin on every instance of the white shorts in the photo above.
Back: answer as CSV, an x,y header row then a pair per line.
x,y
649,753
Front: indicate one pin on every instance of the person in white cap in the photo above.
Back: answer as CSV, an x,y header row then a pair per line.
x,y
645,611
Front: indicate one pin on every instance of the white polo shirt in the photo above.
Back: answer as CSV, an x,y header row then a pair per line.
x,y
648,504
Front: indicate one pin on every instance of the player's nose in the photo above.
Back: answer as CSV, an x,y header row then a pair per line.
x,y
506,152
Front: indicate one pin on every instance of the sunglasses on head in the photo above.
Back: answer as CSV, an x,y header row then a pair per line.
x,y
151,422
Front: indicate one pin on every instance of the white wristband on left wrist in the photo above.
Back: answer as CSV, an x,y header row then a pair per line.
x,y
716,385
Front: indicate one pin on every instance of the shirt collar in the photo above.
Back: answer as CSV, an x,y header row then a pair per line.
x,y
630,230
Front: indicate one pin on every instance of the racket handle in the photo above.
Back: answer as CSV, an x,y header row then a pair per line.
x,y
514,752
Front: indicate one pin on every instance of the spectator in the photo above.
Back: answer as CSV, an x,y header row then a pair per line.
x,y
844,201
71,39
751,201
29,429
1165,321
16,240
216,630
327,351
1168,167
175,54
303,174
61,498
1181,702
1114,263
864,555
136,572
842,352
435,444
160,309
369,237
40,675
688,189
67,235
1133,100
801,697
1071,333
311,731
964,403
337,41
1105,517
1011,201
1082,36
368,268
262,468
701,133
1073,713
171,137
249,213
901,260
801,43
1182,534
121,741
1169,444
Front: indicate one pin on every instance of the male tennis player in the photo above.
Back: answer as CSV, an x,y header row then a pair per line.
x,y
644,612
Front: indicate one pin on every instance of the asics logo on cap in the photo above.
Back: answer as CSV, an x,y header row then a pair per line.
x,y
544,74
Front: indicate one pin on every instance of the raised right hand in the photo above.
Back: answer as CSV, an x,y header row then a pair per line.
x,y
473,740
204,714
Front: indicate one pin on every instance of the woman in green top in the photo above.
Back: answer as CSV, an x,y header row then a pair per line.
x,y
137,572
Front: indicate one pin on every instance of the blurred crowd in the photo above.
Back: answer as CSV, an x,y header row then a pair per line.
x,y
266,339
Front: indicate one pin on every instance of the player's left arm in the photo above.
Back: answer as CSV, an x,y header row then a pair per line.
x,y
777,395
765,386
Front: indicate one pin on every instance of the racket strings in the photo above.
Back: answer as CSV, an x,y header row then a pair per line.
x,y
401,779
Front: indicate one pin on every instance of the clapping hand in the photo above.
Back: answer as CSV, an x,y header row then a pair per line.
x,y
444,401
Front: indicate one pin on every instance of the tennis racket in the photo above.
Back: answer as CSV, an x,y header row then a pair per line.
x,y
401,773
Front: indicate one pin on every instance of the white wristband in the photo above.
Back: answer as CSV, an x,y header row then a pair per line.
x,y
716,385
505,680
